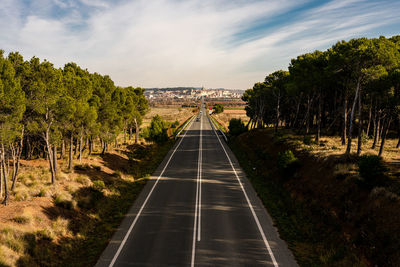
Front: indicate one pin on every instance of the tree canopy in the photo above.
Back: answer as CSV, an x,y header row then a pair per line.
x,y
350,89
43,108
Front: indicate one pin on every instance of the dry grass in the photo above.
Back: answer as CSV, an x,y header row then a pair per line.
x,y
332,145
228,114
63,216
168,113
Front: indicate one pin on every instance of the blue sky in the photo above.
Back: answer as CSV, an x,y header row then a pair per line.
x,y
211,43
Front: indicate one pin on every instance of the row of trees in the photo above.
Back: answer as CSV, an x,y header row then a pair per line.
x,y
43,108
350,89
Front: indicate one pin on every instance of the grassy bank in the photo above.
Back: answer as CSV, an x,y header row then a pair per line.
x,y
70,223
323,210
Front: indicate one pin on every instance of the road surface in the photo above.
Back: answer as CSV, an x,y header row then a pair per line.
x,y
198,209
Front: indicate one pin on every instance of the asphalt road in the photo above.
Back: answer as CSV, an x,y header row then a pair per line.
x,y
198,209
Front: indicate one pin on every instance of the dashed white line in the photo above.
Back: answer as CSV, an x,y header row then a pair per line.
x,y
197,213
248,202
144,203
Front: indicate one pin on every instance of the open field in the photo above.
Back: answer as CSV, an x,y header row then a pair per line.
x,y
228,114
169,113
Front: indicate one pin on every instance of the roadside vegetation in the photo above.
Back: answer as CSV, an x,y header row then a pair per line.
x,y
351,89
218,108
333,204
72,160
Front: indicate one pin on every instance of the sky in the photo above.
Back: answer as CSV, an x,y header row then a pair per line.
x,y
167,43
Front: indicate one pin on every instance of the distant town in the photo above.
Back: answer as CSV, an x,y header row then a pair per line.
x,y
190,93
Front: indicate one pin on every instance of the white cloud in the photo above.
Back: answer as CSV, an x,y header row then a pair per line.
x,y
183,43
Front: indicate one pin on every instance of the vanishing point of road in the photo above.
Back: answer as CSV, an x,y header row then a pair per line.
x,y
198,209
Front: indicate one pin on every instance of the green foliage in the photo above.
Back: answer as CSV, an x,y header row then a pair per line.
x,y
157,131
308,97
287,163
98,185
372,170
236,127
218,108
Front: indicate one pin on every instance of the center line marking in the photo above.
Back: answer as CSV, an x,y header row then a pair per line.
x,y
145,201
197,213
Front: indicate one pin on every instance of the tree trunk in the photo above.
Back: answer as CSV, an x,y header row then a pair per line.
x,y
55,158
297,111
319,115
349,137
104,148
125,130
71,145
76,147
360,125
381,131
376,132
80,147
369,119
344,120
130,133
5,175
18,157
62,148
384,133
90,145
50,153
1,176
277,113
136,131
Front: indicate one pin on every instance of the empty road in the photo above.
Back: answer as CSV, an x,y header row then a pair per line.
x,y
198,209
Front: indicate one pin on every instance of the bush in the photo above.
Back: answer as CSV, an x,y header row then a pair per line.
x,y
22,219
64,201
157,131
98,185
236,127
288,163
372,170
218,108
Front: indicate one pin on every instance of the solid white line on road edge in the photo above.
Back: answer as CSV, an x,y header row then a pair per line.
x,y
197,212
143,205
250,206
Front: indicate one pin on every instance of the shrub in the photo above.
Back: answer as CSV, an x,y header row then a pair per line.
x,y
157,131
43,193
64,201
21,219
288,163
364,138
372,170
98,185
218,108
82,180
236,127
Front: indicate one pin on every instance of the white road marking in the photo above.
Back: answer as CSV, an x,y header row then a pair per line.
x,y
200,176
144,203
197,213
248,202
